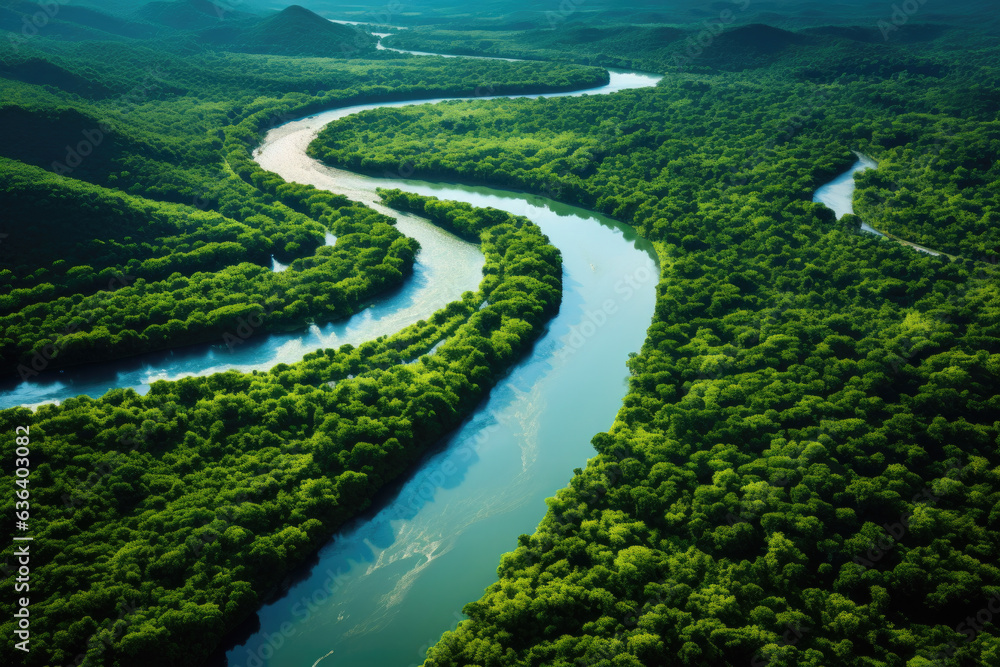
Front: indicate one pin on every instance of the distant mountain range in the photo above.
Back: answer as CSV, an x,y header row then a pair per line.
x,y
294,31
219,25
190,14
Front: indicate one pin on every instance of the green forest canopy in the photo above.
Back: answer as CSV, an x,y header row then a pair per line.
x,y
805,469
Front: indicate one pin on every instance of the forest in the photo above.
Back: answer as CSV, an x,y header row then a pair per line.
x,y
193,501
805,467
154,145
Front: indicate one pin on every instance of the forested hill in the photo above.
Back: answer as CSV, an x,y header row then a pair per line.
x,y
293,31
143,138
191,14
519,15
732,44
191,24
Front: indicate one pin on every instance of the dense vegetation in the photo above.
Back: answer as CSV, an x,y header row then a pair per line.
x,y
135,219
161,276
517,15
725,41
934,177
293,31
805,470
624,157
806,467
148,145
192,502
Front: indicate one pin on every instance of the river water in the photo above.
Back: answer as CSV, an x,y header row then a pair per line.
x,y
391,582
386,587
838,195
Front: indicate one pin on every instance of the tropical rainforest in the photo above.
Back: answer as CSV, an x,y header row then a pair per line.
x,y
805,469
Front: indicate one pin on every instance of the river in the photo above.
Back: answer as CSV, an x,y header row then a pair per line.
x,y
838,195
387,585
392,581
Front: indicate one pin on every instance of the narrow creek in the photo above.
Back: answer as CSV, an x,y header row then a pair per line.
x,y
838,195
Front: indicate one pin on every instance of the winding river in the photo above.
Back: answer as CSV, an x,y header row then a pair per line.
x,y
391,582
388,584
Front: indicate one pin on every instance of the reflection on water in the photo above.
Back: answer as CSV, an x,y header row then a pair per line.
x,y
838,194
389,583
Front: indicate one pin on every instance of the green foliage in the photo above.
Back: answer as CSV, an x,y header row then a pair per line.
x,y
938,183
159,226
805,469
294,31
190,504
169,517
726,40
159,275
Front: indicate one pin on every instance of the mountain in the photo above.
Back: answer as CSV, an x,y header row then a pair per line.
x,y
41,72
294,31
97,20
70,23
757,39
190,14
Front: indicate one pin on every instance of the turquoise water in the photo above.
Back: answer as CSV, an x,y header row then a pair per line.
x,y
391,582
